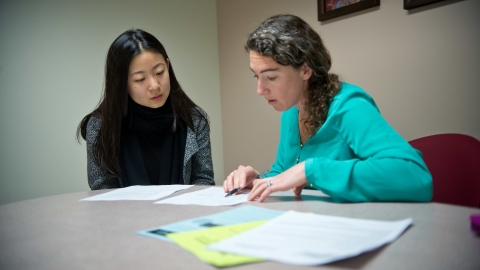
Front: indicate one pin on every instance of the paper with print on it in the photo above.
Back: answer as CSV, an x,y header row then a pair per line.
x,y
195,242
138,193
212,196
246,213
310,239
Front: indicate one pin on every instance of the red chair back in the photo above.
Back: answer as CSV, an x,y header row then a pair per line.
x,y
454,162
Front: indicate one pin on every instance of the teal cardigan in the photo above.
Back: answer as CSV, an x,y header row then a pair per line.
x,y
356,156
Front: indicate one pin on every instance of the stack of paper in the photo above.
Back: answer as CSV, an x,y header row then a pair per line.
x,y
291,237
310,239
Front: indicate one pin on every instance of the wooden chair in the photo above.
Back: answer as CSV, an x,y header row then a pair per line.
x,y
454,162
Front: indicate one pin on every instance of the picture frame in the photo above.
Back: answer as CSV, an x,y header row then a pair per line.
x,y
329,9
411,4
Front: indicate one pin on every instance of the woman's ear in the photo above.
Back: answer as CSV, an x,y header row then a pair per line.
x,y
307,71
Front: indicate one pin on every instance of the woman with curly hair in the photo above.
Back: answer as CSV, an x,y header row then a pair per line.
x,y
332,136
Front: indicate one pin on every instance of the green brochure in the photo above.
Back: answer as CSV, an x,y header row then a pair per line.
x,y
195,242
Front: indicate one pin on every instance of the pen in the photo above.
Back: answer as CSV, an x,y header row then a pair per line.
x,y
235,190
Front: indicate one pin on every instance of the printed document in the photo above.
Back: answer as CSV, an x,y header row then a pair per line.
x,y
138,193
212,196
310,239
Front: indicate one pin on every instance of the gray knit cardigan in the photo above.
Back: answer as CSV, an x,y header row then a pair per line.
x,y
197,164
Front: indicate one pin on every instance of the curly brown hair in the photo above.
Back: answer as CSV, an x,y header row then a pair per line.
x,y
290,41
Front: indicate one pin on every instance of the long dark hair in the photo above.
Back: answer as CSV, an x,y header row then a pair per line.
x,y
290,41
113,106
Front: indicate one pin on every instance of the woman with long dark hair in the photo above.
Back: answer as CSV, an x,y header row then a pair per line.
x,y
145,130
332,135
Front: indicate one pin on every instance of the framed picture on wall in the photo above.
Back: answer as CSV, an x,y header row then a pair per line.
x,y
409,4
329,9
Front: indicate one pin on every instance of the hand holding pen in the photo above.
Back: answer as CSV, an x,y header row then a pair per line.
x,y
239,179
235,190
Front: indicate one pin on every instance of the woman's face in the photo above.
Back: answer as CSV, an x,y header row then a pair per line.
x,y
282,86
148,79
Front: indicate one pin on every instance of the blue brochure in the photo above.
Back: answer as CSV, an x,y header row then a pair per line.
x,y
238,215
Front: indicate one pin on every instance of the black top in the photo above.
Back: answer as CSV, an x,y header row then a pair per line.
x,y
152,153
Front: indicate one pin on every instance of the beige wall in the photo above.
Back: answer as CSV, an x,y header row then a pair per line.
x,y
52,55
422,68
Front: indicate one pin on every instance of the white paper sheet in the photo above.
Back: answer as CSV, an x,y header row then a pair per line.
x,y
213,196
138,193
310,239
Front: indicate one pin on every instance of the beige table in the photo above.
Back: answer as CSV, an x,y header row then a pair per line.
x,y
60,232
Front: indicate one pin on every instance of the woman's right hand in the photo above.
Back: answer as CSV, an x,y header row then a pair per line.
x,y
239,177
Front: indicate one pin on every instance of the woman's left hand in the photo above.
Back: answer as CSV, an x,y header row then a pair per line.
x,y
294,177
